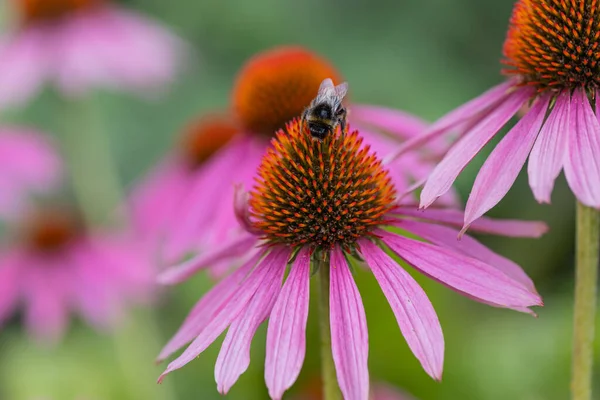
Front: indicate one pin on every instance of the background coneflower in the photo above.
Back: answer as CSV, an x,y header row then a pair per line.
x,y
553,67
324,206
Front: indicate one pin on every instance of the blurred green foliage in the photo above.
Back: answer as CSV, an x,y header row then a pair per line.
x,y
425,57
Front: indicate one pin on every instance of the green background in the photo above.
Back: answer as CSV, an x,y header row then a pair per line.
x,y
425,57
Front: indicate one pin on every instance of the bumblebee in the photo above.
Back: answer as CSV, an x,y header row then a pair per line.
x,y
326,111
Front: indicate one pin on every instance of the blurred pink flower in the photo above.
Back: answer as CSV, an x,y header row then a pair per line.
x,y
54,267
30,164
554,72
331,201
79,44
272,88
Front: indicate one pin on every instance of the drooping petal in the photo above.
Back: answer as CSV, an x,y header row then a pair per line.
x,y
210,304
464,274
234,356
547,155
229,250
502,227
582,160
397,123
10,266
469,145
273,262
502,167
286,336
349,336
456,117
448,237
413,310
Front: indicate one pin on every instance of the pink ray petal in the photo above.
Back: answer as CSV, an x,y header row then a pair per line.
x,y
502,167
469,145
234,356
271,264
455,118
230,250
548,152
349,336
10,266
400,124
413,310
448,237
502,227
286,336
210,304
582,160
464,274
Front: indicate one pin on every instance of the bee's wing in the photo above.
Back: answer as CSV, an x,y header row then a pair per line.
x,y
326,87
341,90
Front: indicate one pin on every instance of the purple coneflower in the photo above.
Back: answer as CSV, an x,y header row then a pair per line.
x,y
78,44
54,266
551,53
327,205
273,87
30,164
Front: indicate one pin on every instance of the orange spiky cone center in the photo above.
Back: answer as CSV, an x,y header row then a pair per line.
x,y
319,193
553,44
50,230
205,137
47,10
275,86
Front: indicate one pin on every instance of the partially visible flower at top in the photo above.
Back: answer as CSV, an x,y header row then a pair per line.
x,y
54,266
329,202
30,164
80,44
552,59
272,88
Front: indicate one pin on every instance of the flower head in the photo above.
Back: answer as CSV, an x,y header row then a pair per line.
x,y
552,56
271,89
30,164
332,201
54,265
78,45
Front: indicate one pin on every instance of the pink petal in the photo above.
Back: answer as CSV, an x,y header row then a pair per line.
x,y
582,160
349,336
400,124
10,266
209,305
23,65
234,356
469,145
464,274
221,319
456,117
502,227
502,167
413,310
448,237
547,156
286,336
228,251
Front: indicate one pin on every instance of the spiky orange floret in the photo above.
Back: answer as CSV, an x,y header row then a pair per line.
x,y
276,85
554,43
319,193
206,136
50,230
38,10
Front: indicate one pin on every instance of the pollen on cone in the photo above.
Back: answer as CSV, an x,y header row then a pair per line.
x,y
206,136
554,44
276,85
34,10
320,193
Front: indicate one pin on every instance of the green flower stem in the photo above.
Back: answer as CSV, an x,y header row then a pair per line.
x,y
330,386
586,281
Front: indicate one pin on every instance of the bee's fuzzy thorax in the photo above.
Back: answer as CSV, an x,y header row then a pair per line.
x,y
276,85
319,193
554,44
